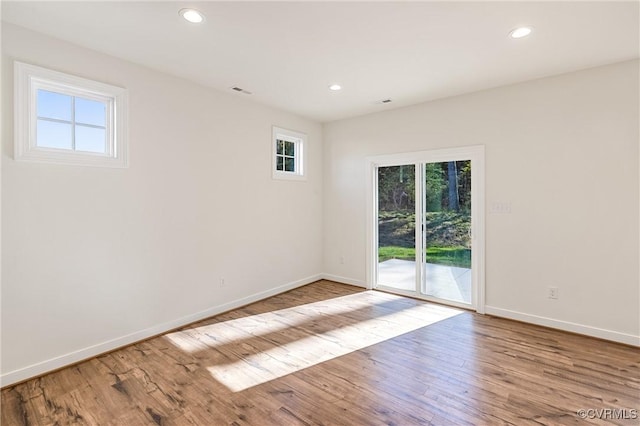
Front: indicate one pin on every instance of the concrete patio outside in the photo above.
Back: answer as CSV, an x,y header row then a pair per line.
x,y
444,282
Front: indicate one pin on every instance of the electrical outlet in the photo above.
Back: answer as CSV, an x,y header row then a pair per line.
x,y
342,260
553,292
222,282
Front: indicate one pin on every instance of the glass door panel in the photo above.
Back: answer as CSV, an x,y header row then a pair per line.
x,y
397,227
446,237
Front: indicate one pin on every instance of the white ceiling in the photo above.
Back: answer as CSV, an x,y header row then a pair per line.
x,y
288,53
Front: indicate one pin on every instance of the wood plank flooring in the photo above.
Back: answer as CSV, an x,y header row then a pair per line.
x,y
331,354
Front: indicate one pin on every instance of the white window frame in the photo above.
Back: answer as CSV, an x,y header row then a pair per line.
x,y
29,79
300,141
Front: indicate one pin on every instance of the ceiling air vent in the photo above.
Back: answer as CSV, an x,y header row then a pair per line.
x,y
241,90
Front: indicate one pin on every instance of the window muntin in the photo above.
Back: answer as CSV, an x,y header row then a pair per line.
x,y
71,122
288,154
65,119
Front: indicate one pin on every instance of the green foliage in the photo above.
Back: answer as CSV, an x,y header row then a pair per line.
x,y
397,228
436,184
450,256
448,229
444,229
464,185
448,240
395,252
447,217
396,188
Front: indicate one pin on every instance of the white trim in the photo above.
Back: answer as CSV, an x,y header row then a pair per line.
x,y
478,227
420,296
476,155
344,280
585,330
429,156
419,237
29,78
300,141
572,327
110,345
371,207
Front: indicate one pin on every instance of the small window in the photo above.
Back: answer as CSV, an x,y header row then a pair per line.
x,y
65,119
288,154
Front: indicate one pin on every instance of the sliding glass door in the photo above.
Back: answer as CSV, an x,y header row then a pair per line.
x,y
446,237
397,227
424,214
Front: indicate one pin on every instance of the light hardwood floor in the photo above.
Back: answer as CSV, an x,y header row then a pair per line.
x,y
333,354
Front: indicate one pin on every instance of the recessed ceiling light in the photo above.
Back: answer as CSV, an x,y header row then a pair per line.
x,y
192,15
520,32
335,87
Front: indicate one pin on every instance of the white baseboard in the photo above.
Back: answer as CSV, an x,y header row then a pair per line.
x,y
614,336
344,280
110,345
91,351
601,333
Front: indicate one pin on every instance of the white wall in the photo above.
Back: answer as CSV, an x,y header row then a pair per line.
x,y
94,258
564,151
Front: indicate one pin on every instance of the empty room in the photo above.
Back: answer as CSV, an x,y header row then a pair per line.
x,y
320,213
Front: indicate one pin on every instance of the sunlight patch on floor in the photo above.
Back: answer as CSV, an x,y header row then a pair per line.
x,y
230,331
281,360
